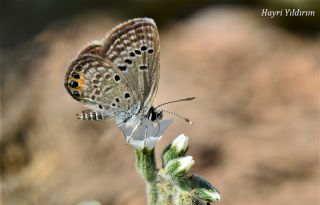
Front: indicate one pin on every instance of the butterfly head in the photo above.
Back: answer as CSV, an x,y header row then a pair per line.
x,y
154,114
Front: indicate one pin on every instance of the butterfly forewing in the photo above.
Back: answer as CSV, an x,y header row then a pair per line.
x,y
94,48
134,48
97,83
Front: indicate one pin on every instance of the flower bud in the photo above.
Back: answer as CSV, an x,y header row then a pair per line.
x,y
204,190
185,164
177,149
180,143
207,195
178,166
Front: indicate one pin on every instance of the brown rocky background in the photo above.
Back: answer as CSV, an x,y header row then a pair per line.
x,y
256,116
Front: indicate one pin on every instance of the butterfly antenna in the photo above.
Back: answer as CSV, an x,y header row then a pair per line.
x,y
177,115
180,100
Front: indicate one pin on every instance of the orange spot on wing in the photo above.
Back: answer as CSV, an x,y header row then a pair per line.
x,y
80,82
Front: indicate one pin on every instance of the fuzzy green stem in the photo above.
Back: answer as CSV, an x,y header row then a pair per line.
x,y
147,169
152,193
146,164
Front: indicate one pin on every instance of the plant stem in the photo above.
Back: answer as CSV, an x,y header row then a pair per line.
x,y
152,193
147,169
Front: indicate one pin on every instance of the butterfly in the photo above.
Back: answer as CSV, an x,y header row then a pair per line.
x,y
118,79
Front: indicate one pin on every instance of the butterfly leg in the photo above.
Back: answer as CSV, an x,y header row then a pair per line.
x,y
158,128
145,135
129,137
128,140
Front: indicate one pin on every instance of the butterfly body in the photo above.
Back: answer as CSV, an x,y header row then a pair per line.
x,y
118,78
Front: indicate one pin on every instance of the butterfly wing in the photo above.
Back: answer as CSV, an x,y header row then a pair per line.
x,y
134,48
96,82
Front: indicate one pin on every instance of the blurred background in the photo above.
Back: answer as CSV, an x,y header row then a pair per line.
x,y
256,116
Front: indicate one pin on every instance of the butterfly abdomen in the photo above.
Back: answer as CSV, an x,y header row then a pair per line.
x,y
90,115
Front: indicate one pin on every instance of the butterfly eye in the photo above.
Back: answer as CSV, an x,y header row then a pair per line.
x,y
152,115
100,106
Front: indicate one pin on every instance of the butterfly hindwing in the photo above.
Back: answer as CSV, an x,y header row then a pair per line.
x,y
134,48
97,83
